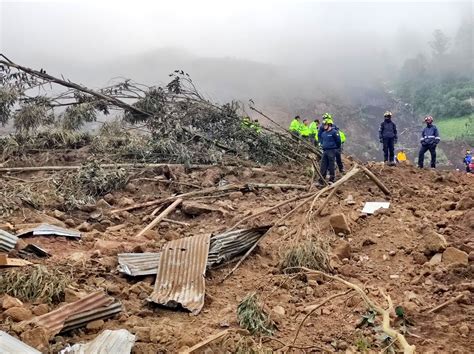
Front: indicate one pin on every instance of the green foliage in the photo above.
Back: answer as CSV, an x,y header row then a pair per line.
x,y
368,319
252,317
457,128
362,344
8,97
31,116
75,116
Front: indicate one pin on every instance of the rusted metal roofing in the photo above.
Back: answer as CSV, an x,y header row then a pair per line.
x,y
118,341
136,264
54,321
47,230
7,241
226,246
223,248
12,345
180,277
83,318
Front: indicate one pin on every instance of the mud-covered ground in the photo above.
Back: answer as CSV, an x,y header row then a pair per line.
x,y
390,250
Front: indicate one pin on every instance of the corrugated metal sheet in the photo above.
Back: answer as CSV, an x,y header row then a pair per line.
x,y
223,248
83,318
226,246
11,345
7,241
119,341
180,277
54,321
48,230
136,264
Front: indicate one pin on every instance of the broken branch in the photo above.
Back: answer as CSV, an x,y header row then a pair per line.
x,y
446,303
160,217
376,180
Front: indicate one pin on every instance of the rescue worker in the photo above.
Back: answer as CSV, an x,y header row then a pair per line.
x,y
330,142
468,160
246,122
295,126
313,129
388,137
429,140
255,125
328,118
305,132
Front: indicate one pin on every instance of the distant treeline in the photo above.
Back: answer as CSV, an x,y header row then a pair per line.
x,y
441,85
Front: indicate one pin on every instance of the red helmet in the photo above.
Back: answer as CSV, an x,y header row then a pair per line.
x,y
429,119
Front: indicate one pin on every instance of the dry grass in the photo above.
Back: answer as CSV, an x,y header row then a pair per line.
x,y
312,254
34,283
252,316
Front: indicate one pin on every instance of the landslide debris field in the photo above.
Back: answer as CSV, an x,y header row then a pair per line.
x,y
419,252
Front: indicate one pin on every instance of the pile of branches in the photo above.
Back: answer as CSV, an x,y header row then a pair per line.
x,y
182,126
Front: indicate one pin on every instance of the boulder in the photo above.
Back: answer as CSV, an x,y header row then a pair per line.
x,y
85,227
194,208
109,198
40,309
18,313
10,301
432,242
339,223
279,310
211,177
102,204
342,249
436,259
37,338
108,247
454,256
124,202
235,195
70,222
466,202
95,325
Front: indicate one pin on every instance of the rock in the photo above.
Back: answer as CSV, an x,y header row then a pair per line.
x,y
466,202
194,208
464,329
419,258
18,313
37,338
102,204
71,296
347,270
10,301
433,242
95,325
70,222
109,198
211,177
436,259
471,256
392,253
309,291
40,309
108,247
279,310
142,333
95,215
85,227
235,195
454,256
448,206
58,214
342,249
124,202
339,223
130,187
394,276
349,200
368,241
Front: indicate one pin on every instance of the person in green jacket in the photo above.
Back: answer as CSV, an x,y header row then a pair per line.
x,y
295,126
256,126
313,129
305,130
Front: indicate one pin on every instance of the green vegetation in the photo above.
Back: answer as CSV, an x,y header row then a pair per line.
x,y
457,128
252,316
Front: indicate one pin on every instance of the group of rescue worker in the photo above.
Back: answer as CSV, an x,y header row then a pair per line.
x,y
331,139
254,125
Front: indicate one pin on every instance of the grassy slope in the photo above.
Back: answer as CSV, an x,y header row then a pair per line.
x,y
461,128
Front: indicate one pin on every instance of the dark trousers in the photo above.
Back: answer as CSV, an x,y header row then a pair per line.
x,y
421,155
340,166
328,164
389,149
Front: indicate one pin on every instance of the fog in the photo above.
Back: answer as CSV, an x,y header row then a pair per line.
x,y
269,50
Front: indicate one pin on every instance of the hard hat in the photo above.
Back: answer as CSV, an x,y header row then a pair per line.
x,y
327,116
387,114
429,119
328,121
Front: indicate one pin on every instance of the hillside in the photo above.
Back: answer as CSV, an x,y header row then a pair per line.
x,y
419,251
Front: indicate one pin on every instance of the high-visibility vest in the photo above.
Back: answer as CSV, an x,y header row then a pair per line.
x,y
343,136
313,129
305,131
295,126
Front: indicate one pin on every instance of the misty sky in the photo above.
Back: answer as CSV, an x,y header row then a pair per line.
x,y
278,32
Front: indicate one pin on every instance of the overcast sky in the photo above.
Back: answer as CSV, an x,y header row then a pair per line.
x,y
267,31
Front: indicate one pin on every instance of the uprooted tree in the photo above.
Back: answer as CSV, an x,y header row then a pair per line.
x,y
183,125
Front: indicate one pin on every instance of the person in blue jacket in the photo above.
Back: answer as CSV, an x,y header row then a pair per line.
x,y
429,140
468,160
388,137
328,117
330,143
